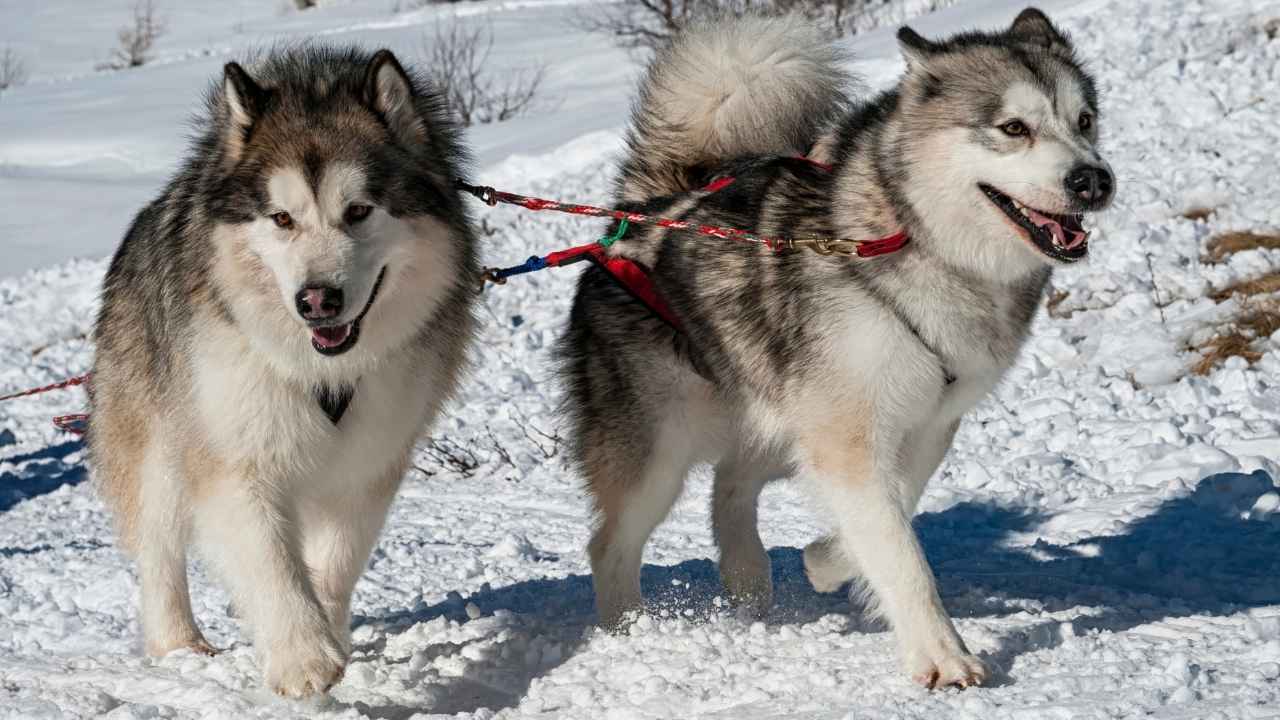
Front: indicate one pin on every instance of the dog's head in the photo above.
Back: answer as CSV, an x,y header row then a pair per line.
x,y
336,226
999,146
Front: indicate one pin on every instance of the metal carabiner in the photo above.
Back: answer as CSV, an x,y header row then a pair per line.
x,y
843,248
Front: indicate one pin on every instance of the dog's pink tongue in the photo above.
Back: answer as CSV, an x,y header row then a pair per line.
x,y
329,337
1077,238
1044,221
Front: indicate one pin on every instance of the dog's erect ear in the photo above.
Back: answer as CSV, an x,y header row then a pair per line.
x,y
245,101
915,48
388,92
1034,27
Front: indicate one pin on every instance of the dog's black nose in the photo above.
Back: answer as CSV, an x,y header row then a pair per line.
x,y
1093,185
319,302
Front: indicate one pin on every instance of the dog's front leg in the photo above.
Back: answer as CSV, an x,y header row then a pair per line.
x,y
864,491
250,533
337,548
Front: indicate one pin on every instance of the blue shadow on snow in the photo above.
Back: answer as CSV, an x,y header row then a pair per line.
x,y
40,472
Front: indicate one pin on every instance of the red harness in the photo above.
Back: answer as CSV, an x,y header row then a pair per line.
x,y
631,275
635,279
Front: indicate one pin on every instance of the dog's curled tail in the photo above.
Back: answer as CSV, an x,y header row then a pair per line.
x,y
728,88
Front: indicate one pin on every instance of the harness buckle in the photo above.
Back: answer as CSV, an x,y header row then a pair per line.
x,y
843,248
490,275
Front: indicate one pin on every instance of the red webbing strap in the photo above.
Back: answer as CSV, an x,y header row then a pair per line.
x,y
628,273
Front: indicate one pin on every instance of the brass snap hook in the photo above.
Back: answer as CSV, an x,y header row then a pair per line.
x,y
844,248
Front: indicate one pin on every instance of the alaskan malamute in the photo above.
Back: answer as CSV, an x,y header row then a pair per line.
x,y
276,330
851,373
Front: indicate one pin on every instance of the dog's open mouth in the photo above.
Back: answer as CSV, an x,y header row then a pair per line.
x,y
1061,237
337,339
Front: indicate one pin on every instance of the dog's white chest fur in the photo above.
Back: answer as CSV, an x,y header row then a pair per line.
x,y
255,419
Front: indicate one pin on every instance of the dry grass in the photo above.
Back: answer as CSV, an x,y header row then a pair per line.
x,y
1198,213
1221,247
1257,320
1056,298
1264,285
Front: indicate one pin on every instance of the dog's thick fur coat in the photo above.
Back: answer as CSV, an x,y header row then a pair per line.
x,y
238,402
852,374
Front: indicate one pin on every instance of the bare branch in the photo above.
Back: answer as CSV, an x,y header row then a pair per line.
x,y
137,38
450,455
12,70
499,449
548,450
458,64
651,24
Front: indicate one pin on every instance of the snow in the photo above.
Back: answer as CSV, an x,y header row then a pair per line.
x,y
1104,531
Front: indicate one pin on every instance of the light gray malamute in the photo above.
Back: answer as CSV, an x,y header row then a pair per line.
x,y
276,330
852,373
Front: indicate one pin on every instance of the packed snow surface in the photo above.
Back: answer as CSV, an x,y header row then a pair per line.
x,y
1106,529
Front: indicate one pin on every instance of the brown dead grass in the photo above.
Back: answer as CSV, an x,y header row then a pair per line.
x,y
1258,319
1221,247
1198,213
1264,285
1056,298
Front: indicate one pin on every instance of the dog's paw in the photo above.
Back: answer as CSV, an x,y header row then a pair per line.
x,y
191,640
202,647
826,569
750,589
960,670
309,665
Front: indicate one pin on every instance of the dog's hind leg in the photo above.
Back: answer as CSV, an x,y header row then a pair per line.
x,y
744,565
827,566
634,490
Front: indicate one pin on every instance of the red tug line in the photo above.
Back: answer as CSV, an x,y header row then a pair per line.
x,y
634,277
73,423
630,275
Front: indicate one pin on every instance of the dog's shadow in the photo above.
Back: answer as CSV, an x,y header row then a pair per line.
x,y
555,617
1211,552
40,472
1204,553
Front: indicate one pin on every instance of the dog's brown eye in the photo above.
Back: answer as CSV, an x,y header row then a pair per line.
x,y
1086,121
1014,128
356,213
283,220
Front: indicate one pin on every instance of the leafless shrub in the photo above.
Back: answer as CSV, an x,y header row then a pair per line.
x,y
651,24
304,4
12,70
458,65
447,454
499,450
137,38
548,444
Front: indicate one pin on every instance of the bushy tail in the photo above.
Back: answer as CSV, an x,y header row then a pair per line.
x,y
729,88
